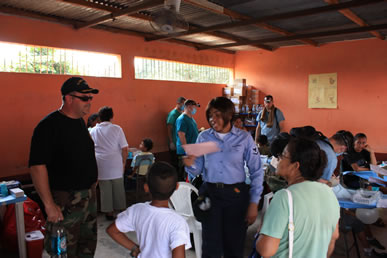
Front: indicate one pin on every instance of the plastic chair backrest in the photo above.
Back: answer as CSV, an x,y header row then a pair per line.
x,y
143,162
181,199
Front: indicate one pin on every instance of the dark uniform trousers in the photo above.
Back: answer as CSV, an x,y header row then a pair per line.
x,y
224,227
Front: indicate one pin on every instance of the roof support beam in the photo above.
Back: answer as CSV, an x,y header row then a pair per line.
x,y
305,35
281,16
356,19
204,4
93,5
126,11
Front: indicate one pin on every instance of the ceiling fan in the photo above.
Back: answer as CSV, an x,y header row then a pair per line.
x,y
169,20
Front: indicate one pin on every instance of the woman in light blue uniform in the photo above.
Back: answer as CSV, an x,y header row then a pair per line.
x,y
233,203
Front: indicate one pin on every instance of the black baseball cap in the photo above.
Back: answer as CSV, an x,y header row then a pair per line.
x,y
77,84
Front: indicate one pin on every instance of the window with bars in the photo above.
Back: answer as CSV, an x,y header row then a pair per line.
x,y
22,58
156,69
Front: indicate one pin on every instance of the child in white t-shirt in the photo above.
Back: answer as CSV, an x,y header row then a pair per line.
x,y
161,232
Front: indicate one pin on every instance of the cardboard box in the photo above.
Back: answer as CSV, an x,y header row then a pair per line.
x,y
227,92
239,83
252,95
236,100
240,91
238,108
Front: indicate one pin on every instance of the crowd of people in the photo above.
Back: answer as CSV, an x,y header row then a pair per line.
x,y
68,158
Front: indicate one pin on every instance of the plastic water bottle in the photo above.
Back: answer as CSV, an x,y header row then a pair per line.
x,y
58,241
247,108
253,109
3,190
243,109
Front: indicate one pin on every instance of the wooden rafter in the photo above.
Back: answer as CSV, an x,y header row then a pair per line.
x,y
280,16
140,16
305,35
356,19
125,11
224,11
60,20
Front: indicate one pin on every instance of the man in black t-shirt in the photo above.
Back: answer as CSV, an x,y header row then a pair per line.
x,y
64,169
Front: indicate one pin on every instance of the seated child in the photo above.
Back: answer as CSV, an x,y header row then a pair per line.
x,y
161,232
263,145
362,155
145,146
238,123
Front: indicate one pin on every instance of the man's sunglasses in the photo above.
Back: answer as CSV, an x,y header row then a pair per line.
x,y
83,98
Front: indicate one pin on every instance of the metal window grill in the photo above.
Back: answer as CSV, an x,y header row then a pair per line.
x,y
22,58
156,69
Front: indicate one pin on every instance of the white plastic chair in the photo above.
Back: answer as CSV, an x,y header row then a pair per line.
x,y
266,201
181,202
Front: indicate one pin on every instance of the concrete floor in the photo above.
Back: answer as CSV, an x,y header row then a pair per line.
x,y
106,247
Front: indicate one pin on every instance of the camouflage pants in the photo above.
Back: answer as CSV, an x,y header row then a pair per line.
x,y
79,210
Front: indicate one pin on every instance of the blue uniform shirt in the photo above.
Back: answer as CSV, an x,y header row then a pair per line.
x,y
331,159
227,165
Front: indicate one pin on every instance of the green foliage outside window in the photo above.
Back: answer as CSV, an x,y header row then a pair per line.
x,y
45,60
155,69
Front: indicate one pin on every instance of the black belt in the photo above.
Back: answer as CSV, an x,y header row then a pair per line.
x,y
221,185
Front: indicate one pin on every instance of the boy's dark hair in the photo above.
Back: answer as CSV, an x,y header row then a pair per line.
x,y
310,133
91,119
148,143
279,143
308,154
105,113
359,136
162,180
224,105
345,138
235,117
262,139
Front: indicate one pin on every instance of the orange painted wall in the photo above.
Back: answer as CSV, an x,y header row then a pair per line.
x,y
140,106
361,68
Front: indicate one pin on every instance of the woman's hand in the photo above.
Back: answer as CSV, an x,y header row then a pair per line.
x,y
189,160
252,213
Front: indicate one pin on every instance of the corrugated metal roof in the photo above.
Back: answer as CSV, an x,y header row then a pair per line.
x,y
203,17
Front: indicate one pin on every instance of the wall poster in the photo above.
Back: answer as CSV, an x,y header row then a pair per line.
x,y
322,91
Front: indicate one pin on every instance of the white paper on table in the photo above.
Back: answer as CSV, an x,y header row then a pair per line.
x,y
378,170
377,180
200,149
341,192
382,203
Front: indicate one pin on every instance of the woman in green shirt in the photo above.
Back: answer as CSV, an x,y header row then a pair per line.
x,y
315,208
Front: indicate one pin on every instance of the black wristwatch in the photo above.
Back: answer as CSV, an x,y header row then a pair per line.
x,y
134,251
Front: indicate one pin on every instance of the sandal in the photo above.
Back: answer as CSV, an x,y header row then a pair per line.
x,y
379,223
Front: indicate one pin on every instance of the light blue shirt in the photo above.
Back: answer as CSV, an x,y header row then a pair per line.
x,y
227,165
270,132
331,159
